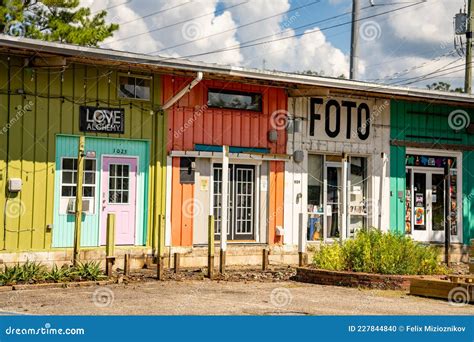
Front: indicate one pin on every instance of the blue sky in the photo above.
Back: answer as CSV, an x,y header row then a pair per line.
x,y
414,42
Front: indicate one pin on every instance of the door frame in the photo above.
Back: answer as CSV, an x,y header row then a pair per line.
x,y
325,199
124,156
443,153
428,234
257,190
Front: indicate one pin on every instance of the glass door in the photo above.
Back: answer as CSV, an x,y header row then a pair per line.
x,y
425,215
333,200
240,201
437,207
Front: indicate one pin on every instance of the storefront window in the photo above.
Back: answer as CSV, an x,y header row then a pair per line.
x,y
315,198
427,197
69,178
359,204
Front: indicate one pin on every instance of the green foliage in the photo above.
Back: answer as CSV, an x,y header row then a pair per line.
x,y
372,251
59,274
54,20
29,272
33,272
88,271
444,86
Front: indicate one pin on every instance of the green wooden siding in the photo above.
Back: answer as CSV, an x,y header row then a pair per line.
x,y
28,144
428,123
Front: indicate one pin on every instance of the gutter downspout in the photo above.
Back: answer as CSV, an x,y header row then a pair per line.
x,y
183,91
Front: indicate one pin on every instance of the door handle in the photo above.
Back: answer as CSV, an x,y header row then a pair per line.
x,y
103,201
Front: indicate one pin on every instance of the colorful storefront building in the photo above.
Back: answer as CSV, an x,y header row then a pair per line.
x,y
425,138
47,100
310,159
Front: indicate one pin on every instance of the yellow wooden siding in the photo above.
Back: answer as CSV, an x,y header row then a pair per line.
x,y
56,97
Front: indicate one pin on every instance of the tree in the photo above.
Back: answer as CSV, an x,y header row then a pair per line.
x,y
54,20
444,86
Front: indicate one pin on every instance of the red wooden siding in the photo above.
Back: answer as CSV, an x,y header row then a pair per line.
x,y
190,122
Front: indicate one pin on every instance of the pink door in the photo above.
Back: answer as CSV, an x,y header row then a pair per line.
x,y
119,179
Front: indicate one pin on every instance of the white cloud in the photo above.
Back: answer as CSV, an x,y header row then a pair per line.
x,y
407,38
311,51
413,39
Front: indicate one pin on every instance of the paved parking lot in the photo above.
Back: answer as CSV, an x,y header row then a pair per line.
x,y
191,297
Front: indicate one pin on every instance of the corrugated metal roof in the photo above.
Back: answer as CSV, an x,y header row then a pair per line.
x,y
256,74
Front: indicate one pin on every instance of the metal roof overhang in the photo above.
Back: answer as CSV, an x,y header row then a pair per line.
x,y
288,80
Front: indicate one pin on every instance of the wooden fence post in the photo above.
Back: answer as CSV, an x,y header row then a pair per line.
x,y
110,245
210,257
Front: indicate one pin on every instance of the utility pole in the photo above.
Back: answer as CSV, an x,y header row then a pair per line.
x,y
354,72
468,76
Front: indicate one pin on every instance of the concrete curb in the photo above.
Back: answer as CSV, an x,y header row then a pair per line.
x,y
22,287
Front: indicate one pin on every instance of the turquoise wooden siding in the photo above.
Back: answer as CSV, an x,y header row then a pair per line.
x,y
63,227
428,123
397,185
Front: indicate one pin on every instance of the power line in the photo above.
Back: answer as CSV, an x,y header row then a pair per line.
x,y
157,12
236,28
177,23
422,77
110,7
299,27
239,46
408,70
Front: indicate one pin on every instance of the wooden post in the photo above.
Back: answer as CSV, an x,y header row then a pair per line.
x,y
265,253
78,209
161,247
177,257
126,264
210,248
222,262
224,204
301,240
110,244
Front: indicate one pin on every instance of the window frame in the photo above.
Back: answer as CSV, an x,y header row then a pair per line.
x,y
115,189
236,92
145,77
75,184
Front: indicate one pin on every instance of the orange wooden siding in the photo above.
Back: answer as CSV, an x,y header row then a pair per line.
x,y
181,218
191,122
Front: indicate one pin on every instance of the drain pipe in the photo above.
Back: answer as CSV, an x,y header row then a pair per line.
x,y
183,91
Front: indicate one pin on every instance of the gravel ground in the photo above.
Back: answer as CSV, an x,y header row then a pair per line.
x,y
241,292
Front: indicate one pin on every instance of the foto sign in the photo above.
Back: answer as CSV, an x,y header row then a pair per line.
x,y
339,119
101,120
